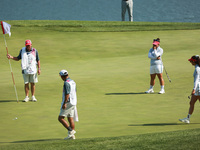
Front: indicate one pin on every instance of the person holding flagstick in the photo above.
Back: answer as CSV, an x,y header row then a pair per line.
x,y
29,62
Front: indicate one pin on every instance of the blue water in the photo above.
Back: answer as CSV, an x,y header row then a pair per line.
x,y
100,10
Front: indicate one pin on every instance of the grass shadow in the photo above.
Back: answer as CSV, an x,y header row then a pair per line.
x,y
30,141
130,93
160,124
8,101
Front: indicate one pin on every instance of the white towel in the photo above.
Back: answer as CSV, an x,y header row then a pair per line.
x,y
75,114
24,62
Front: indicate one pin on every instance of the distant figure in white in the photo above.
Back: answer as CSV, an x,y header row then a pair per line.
x,y
127,5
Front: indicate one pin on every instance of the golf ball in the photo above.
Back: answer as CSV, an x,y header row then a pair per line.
x,y
15,118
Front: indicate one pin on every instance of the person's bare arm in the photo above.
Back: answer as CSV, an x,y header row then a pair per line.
x,y
65,103
39,70
13,58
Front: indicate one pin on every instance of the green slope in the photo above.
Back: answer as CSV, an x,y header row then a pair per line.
x,y
179,140
111,69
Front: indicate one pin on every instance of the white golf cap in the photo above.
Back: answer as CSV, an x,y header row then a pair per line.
x,y
63,73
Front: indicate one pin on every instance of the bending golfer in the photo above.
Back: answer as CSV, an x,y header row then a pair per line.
x,y
68,105
29,62
156,66
195,61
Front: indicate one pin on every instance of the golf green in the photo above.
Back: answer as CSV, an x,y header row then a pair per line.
x,y
111,70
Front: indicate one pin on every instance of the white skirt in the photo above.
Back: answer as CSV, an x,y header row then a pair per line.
x,y
156,69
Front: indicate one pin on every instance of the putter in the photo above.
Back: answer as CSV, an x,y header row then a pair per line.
x,y
167,74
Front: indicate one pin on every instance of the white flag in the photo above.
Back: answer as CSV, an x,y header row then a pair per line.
x,y
6,28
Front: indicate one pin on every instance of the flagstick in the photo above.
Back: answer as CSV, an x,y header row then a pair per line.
x,y
11,70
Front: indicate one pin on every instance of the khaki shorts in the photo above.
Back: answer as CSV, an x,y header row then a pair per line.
x,y
68,112
30,78
156,69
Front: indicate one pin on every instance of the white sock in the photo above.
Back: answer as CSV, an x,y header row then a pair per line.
x,y
151,86
162,87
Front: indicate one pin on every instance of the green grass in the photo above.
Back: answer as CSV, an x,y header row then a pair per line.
x,y
178,140
111,69
103,26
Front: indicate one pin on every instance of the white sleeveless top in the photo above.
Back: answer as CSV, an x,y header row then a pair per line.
x,y
72,94
28,62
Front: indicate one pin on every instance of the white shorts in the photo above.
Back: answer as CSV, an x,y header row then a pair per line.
x,y
30,78
156,69
68,112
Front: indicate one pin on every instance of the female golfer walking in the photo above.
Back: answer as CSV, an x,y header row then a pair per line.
x,y
156,66
195,61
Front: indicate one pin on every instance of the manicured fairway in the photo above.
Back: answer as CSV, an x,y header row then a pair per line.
x,y
111,70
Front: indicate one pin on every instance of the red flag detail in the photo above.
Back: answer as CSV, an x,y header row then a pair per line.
x,y
5,28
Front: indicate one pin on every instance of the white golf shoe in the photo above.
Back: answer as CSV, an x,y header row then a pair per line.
x,y
73,137
70,138
26,99
150,91
162,91
34,99
185,120
70,135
